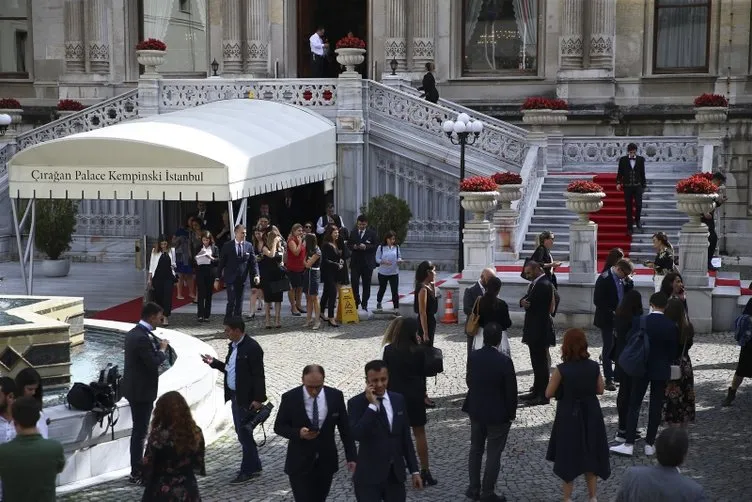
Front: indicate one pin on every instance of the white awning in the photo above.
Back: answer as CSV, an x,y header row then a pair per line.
x,y
224,150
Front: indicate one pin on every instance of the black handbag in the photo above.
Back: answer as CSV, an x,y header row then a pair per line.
x,y
522,273
434,361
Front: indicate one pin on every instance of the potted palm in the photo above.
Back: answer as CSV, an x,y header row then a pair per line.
x,y
509,186
478,195
351,52
151,53
55,224
695,196
584,197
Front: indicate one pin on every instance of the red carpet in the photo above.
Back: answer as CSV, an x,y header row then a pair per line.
x,y
611,219
131,311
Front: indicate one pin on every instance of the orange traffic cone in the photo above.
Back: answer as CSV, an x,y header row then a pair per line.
x,y
449,316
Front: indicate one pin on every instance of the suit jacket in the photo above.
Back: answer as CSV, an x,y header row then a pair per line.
x,y
625,167
301,453
492,388
250,382
468,299
232,268
141,366
380,449
664,340
606,299
659,484
363,257
538,327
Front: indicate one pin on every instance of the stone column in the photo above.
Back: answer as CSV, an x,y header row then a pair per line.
x,y
350,184
232,53
602,33
423,24
693,266
570,41
505,223
583,254
395,45
74,36
98,36
478,246
256,41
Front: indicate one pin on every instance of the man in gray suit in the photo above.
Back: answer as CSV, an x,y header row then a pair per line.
x,y
468,301
663,482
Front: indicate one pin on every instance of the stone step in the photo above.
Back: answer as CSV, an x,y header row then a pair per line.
x,y
615,212
536,226
658,203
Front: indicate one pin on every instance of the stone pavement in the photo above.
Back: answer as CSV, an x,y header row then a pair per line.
x,y
720,440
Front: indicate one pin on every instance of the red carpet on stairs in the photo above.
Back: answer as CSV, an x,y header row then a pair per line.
x,y
611,219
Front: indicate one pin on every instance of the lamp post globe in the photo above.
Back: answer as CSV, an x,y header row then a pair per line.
x,y
5,121
448,127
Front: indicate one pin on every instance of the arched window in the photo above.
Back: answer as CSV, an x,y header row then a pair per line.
x,y
682,33
182,25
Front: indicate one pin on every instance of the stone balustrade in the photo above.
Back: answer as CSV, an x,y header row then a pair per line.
x,y
598,153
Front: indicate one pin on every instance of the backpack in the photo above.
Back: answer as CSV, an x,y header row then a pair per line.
x,y
634,358
743,330
99,397
80,397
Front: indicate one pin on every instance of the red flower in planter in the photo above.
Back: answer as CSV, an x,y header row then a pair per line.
x,y
9,104
151,44
582,186
507,178
350,43
707,176
478,184
327,95
697,184
540,103
708,99
70,105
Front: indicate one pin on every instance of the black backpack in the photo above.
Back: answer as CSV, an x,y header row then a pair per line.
x,y
99,397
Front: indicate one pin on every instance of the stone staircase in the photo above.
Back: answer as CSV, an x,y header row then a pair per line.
x,y
659,213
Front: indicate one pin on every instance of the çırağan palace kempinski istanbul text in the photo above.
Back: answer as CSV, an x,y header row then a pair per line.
x,y
117,176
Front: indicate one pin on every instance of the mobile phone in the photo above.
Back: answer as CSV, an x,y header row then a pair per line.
x,y
313,429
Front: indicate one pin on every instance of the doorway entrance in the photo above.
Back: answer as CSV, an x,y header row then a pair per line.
x,y
338,17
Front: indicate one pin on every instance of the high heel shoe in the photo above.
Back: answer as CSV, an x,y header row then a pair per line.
x,y
333,323
428,480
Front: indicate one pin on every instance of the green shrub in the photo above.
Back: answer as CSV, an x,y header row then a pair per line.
x,y
387,212
55,224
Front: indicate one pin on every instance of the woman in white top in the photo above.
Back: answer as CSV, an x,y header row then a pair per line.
x,y
162,276
29,384
388,257
206,262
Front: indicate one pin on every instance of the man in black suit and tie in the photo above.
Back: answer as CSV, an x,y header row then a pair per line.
x,y
491,403
307,417
631,178
363,243
538,330
468,302
610,288
245,388
144,354
663,336
379,423
237,261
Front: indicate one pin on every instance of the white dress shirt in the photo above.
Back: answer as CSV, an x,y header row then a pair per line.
x,y
387,404
231,378
321,400
317,45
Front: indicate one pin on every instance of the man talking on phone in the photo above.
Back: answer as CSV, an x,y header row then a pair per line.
x,y
379,423
307,417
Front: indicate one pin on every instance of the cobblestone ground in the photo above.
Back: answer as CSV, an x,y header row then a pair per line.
x,y
720,440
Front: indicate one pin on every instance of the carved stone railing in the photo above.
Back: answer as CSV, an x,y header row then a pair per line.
x,y
108,112
532,182
595,154
496,147
6,152
186,93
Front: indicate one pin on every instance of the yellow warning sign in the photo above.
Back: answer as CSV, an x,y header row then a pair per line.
x,y
347,310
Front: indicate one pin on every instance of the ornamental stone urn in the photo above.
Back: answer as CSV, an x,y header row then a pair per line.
x,y
711,114
65,113
508,194
695,205
15,114
544,116
478,203
584,204
350,58
151,59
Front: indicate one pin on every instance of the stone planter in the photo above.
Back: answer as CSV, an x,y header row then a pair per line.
x,y
150,59
508,194
584,204
544,117
478,203
711,114
65,113
56,268
695,205
350,58
15,114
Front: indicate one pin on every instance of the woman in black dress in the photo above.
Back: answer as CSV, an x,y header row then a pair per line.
x,y
663,263
627,313
162,276
430,92
679,406
743,366
426,304
491,308
542,255
672,286
272,273
578,443
331,265
343,235
174,453
406,363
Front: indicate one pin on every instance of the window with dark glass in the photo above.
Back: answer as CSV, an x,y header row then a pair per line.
x,y
682,30
14,41
185,6
182,25
499,37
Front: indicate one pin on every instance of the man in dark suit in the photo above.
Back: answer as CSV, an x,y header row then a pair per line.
x,y
631,178
468,302
307,417
378,421
718,180
610,288
662,482
237,260
204,217
491,403
538,330
363,243
663,336
245,388
144,354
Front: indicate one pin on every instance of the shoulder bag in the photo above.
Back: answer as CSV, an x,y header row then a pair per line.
x,y
473,320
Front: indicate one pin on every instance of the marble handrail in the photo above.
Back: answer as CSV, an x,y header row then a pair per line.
x,y
531,187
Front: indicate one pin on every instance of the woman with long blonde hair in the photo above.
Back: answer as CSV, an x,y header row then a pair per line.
x,y
391,333
272,276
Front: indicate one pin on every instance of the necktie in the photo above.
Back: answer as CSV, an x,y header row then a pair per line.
x,y
361,234
315,414
240,251
382,413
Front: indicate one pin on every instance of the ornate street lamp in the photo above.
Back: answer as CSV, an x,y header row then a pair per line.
x,y
463,131
214,67
393,65
5,121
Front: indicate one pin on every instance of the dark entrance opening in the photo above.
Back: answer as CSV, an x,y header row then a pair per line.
x,y
338,17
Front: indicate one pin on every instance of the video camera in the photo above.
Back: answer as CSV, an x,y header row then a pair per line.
x,y
256,418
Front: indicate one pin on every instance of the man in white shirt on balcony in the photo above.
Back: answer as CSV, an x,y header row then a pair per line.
x,y
319,49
